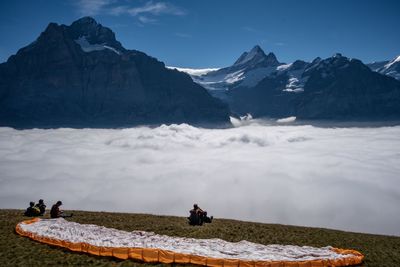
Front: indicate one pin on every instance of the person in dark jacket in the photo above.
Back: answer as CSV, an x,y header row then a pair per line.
x,y
41,206
32,210
55,211
198,216
197,209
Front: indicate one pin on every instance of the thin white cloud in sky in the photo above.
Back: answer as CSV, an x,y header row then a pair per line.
x,y
146,20
156,8
92,7
145,13
117,10
343,178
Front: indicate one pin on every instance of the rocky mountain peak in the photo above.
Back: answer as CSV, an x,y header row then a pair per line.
x,y
255,56
298,64
85,21
337,55
257,49
88,26
316,60
94,32
271,59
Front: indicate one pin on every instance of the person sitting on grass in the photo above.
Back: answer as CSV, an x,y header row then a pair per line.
x,y
198,216
55,211
32,210
41,206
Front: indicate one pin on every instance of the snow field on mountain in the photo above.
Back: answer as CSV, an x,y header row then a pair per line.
x,y
87,47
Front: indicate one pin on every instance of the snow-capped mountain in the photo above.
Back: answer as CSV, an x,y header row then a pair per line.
x,y
81,76
250,68
390,68
332,88
247,71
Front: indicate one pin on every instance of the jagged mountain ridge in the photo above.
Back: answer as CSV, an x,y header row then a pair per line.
x,y
331,88
250,68
81,76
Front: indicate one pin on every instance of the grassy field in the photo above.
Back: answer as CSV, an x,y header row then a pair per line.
x,y
382,251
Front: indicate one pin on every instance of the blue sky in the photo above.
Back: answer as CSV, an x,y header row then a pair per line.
x,y
211,33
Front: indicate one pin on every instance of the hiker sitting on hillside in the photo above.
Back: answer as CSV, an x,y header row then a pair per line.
x,y
32,210
41,206
198,216
55,211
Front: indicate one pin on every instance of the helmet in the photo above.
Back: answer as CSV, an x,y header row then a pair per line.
x,y
41,201
59,202
195,206
31,203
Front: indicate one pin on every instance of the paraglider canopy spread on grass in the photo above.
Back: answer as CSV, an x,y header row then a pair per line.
x,y
151,247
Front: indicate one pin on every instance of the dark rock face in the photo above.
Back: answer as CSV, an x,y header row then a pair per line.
x,y
334,88
267,99
80,76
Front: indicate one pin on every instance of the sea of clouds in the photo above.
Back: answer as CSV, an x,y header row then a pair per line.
x,y
342,178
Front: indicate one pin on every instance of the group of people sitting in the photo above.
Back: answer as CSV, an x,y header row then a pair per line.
x,y
198,216
39,209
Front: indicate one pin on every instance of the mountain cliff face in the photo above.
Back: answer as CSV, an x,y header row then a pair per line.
x,y
81,76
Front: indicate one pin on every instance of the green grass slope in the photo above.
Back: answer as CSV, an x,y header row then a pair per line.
x,y
21,251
